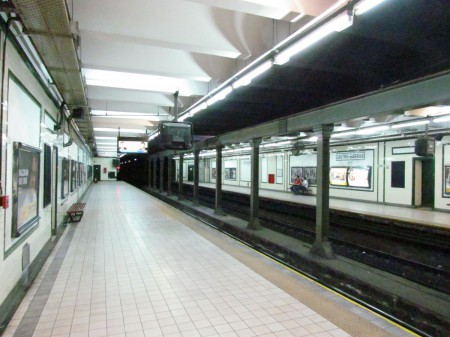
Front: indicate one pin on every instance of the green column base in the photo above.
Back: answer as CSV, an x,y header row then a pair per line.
x,y
322,249
254,224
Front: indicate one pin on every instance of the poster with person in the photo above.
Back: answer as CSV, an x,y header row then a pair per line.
x,y
447,179
25,187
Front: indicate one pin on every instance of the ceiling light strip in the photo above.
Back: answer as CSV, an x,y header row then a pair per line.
x,y
337,24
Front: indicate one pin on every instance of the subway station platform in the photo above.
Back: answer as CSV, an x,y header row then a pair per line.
x,y
135,266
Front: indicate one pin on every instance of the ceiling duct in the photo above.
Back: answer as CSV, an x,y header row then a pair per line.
x,y
47,24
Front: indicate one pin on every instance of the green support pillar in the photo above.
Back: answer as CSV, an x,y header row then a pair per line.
x,y
322,246
180,178
218,206
169,175
254,189
161,174
196,177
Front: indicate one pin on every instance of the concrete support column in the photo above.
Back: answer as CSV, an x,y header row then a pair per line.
x,y
322,246
196,177
218,207
169,175
180,178
161,174
254,189
154,162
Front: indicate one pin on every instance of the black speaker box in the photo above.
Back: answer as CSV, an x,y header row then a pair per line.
x,y
77,112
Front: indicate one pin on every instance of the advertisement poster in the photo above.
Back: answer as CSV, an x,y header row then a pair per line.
x,y
64,178
338,176
230,173
25,187
296,171
132,146
359,177
310,174
447,179
73,176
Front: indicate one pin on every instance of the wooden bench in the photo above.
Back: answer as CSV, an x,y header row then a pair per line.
x,y
76,211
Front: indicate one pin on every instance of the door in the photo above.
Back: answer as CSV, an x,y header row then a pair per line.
x,y
423,182
428,182
97,172
190,173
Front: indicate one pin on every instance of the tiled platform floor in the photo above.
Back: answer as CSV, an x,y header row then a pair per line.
x,y
135,266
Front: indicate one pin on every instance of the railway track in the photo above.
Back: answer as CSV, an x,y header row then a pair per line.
x,y
384,246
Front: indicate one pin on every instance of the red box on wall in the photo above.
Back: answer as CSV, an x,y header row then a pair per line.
x,y
271,179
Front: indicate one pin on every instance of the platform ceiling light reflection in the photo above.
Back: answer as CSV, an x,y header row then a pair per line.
x,y
337,24
408,124
371,130
220,95
105,138
128,115
117,130
366,5
115,79
247,79
442,119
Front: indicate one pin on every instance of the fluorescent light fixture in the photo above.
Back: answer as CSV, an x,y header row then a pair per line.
x,y
219,95
198,108
375,129
238,149
115,138
193,111
337,24
286,142
128,115
112,143
104,148
117,130
408,124
442,119
153,135
298,17
344,134
182,118
246,79
366,5
208,153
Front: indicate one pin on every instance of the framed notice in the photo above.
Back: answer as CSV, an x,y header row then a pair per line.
x,y
338,176
25,203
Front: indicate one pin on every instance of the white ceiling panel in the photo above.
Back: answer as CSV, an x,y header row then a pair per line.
x,y
104,51
172,24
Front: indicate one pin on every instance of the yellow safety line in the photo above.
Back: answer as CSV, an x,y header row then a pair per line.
x,y
333,291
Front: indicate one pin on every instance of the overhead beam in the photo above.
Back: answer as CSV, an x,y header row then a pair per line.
x,y
422,92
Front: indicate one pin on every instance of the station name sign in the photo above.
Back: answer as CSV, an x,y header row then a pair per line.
x,y
351,155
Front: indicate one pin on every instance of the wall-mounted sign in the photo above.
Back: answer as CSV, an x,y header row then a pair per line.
x,y
353,155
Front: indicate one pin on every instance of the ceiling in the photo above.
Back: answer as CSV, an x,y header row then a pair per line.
x,y
143,61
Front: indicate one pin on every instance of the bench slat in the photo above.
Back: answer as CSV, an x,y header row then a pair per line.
x,y
76,211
